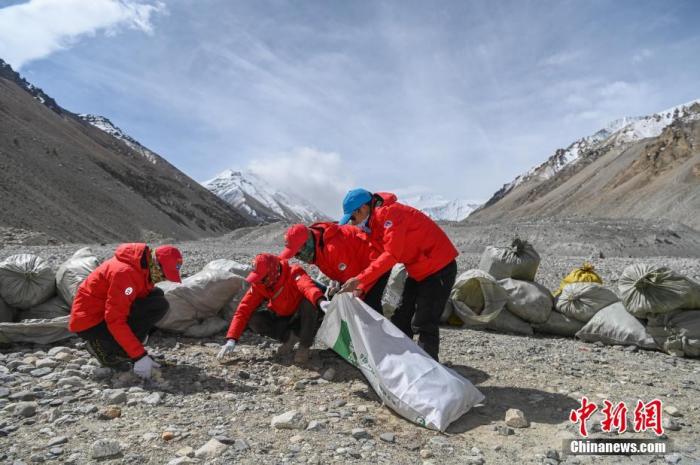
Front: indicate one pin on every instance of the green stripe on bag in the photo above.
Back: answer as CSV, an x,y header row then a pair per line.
x,y
343,345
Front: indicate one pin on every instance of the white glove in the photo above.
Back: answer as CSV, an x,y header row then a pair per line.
x,y
226,350
324,305
143,367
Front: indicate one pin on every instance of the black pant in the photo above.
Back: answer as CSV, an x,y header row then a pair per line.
x,y
374,296
303,323
422,305
143,316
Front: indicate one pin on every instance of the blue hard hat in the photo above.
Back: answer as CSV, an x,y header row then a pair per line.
x,y
353,200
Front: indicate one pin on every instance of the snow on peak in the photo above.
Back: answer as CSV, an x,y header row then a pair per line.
x,y
617,132
105,125
249,193
439,208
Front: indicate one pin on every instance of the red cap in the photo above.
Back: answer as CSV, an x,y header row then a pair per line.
x,y
294,239
170,260
263,264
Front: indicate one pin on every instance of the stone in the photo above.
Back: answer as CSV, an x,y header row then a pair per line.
x,y
673,459
110,413
70,381
360,433
167,436
671,424
338,403
241,445
296,438
56,451
516,418
23,395
25,409
102,373
57,441
63,357
387,437
426,453
474,460
46,363
210,450
114,396
58,350
505,431
4,392
185,452
315,425
329,374
289,420
104,448
181,461
153,398
39,372
671,410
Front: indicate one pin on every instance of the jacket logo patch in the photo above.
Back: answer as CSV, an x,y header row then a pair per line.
x,y
297,278
342,266
388,224
128,291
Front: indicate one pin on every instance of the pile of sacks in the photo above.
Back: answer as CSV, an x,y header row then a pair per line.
x,y
655,309
35,300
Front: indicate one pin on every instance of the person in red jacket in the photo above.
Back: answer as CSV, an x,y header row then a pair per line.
x,y
410,237
340,252
117,306
293,303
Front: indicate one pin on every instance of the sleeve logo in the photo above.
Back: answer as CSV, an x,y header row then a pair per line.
x,y
388,224
128,291
342,266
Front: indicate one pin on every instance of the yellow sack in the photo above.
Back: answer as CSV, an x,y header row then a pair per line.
x,y
585,274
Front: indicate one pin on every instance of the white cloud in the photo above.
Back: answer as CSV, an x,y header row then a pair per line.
x,y
562,58
322,178
642,55
38,28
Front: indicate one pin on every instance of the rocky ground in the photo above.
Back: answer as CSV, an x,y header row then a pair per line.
x,y
57,406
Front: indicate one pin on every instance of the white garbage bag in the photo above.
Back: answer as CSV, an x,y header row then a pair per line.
x,y
239,269
651,290
559,325
677,333
35,331
518,261
53,308
528,300
583,300
197,298
73,272
406,378
26,280
393,292
615,325
7,313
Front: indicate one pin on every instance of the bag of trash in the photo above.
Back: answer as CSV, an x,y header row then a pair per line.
x,y
585,274
232,266
26,280
519,261
583,300
73,272
614,325
677,333
402,374
207,327
648,290
55,307
480,302
7,313
35,331
559,325
393,292
528,300
198,297
239,269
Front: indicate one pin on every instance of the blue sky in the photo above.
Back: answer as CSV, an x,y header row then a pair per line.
x,y
454,98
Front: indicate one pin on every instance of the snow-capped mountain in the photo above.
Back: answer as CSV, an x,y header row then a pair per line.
x,y
259,201
104,124
439,208
643,168
617,133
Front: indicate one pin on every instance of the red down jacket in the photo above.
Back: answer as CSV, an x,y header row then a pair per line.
x,y
108,293
342,252
406,236
292,286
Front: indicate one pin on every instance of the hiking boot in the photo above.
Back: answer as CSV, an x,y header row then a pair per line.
x,y
288,346
301,355
106,357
